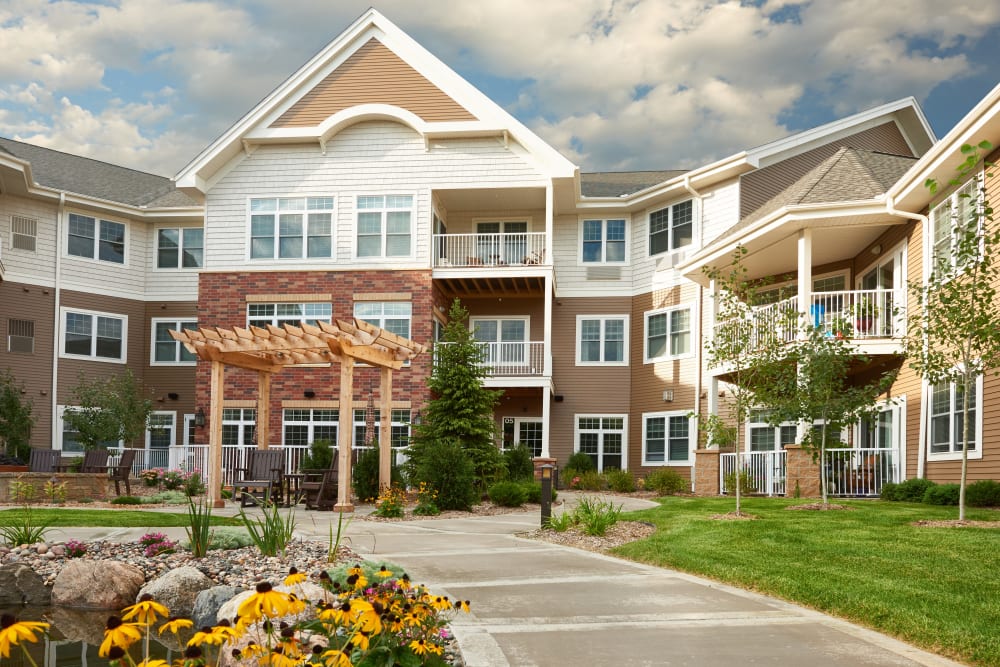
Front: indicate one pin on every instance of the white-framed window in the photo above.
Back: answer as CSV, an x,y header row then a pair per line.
x,y
603,438
603,241
92,335
68,440
180,248
239,426
602,340
952,217
671,228
526,431
385,226
399,424
505,339
502,242
946,426
291,227
668,333
23,233
262,314
394,316
763,437
160,437
164,349
303,426
668,438
94,238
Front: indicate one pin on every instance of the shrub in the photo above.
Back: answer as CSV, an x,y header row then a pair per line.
x,y
578,463
166,498
426,501
596,516
620,481
519,463
157,543
126,500
591,480
533,492
319,456
390,503
365,483
75,548
151,476
941,494
446,468
226,538
507,494
889,491
912,490
746,484
193,485
984,493
666,482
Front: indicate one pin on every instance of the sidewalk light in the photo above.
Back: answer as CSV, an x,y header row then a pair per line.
x,y
547,493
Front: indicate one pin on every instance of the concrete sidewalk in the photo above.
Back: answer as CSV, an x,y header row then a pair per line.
x,y
535,603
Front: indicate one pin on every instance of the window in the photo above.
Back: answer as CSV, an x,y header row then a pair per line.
x,y
23,233
69,438
667,438
946,419
950,219
96,239
392,316
165,349
766,438
671,228
668,333
262,314
180,248
239,426
21,336
601,339
603,241
384,225
303,426
504,339
399,424
94,335
602,438
291,227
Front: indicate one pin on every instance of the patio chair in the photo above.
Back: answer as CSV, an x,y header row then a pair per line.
x,y
319,487
122,472
44,460
95,460
262,476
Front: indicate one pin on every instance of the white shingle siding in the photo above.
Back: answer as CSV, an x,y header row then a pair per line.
x,y
720,210
127,281
572,277
37,268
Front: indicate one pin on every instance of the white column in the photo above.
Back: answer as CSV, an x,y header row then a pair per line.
x,y
546,419
805,298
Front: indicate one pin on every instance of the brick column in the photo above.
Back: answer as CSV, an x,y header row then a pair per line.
x,y
802,470
706,472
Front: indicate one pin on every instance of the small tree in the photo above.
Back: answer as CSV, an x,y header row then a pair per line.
x,y
461,409
109,410
953,337
15,417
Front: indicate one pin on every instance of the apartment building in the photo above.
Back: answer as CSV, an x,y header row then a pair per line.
x,y
376,183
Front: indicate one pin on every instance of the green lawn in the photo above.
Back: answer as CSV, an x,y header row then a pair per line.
x,y
938,588
117,518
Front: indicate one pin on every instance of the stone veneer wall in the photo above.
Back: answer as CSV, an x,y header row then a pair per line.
x,y
706,478
79,485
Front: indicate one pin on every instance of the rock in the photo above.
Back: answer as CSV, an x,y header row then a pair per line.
x,y
58,550
208,602
19,584
228,609
78,625
97,584
177,589
41,548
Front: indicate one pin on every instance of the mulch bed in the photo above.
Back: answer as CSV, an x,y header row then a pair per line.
x,y
955,523
819,507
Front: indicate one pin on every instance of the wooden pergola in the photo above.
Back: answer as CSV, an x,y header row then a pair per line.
x,y
269,350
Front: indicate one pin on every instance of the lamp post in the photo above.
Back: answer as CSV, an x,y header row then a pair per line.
x,y
547,494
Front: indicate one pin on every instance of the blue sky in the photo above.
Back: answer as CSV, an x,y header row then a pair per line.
x,y
613,84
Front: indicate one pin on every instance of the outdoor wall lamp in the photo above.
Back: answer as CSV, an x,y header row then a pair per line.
x,y
199,418
309,393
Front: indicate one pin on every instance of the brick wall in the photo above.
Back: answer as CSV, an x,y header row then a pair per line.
x,y
706,475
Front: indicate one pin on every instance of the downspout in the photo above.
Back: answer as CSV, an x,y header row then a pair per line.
x,y
57,339
699,301
924,239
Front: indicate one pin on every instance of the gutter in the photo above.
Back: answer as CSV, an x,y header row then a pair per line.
x,y
57,339
699,306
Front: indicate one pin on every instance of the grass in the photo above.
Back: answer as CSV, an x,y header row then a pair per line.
x,y
58,518
936,588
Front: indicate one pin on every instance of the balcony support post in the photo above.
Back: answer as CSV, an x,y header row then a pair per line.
x,y
805,300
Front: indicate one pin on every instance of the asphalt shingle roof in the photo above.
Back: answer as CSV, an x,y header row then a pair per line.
x,y
621,183
93,178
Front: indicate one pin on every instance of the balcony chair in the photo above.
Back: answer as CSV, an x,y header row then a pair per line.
x,y
263,476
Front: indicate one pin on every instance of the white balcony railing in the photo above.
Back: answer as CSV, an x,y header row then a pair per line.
x,y
525,359
489,250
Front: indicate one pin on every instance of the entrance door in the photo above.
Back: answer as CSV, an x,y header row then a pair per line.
x,y
874,307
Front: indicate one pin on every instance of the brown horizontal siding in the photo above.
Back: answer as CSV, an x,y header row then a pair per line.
x,y
373,75
164,380
32,371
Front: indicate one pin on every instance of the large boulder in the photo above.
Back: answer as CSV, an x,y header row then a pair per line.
x,y
97,584
208,602
177,589
306,591
19,585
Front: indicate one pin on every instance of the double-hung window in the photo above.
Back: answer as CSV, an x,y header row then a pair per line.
x,y
668,333
667,438
602,339
671,228
239,426
393,316
602,438
763,437
262,314
385,225
303,426
93,238
946,427
291,227
166,350
97,336
399,424
603,241
951,220
180,248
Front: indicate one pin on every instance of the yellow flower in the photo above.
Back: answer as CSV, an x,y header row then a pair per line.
x,y
153,662
295,605
356,577
119,634
215,636
12,631
145,611
404,582
175,625
419,646
335,658
361,640
265,602
384,573
294,577
366,617
276,658
462,605
441,602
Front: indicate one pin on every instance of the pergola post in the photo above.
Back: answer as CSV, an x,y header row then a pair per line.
x,y
263,409
215,435
385,428
344,436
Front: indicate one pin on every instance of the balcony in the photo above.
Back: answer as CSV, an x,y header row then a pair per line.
x,y
513,360
489,251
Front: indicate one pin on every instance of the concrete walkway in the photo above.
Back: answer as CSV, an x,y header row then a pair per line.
x,y
535,603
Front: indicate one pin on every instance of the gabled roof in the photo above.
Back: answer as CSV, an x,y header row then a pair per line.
x,y
623,183
93,178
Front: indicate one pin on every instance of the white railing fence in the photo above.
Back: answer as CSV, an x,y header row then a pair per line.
x,y
861,471
525,359
468,250
764,471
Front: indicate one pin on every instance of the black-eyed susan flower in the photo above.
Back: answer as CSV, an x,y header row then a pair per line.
x,y
384,572
276,658
153,662
295,605
146,611
365,616
175,625
462,605
117,633
265,602
294,577
404,582
336,658
440,602
215,636
419,646
13,631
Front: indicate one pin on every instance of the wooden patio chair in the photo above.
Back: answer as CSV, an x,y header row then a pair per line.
x,y
122,472
44,460
262,476
319,487
95,460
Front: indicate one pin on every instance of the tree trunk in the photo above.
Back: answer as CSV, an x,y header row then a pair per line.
x,y
965,444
